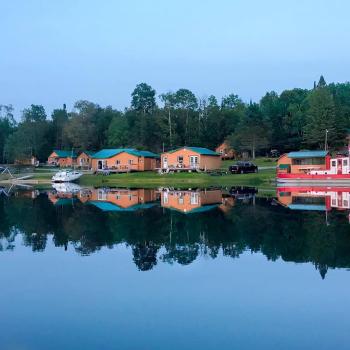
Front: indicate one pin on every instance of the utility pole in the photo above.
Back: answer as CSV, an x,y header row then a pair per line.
x,y
325,143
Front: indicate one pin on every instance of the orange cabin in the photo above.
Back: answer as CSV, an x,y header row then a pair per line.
x,y
303,162
226,151
84,159
62,158
191,158
33,161
124,160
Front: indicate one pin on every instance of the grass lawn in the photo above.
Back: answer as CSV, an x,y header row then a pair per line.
x,y
264,178
260,162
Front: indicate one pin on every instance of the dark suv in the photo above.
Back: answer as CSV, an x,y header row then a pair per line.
x,y
243,168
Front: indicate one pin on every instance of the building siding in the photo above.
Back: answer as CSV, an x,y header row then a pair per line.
x,y
122,162
205,162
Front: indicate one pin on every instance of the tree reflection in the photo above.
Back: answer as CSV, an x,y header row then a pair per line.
x,y
156,234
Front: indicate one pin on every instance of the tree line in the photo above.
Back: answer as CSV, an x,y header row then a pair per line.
x,y
292,120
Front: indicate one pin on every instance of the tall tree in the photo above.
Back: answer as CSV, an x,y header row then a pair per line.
x,y
321,82
169,100
252,133
143,98
186,103
272,110
59,120
118,132
36,113
321,118
7,127
33,136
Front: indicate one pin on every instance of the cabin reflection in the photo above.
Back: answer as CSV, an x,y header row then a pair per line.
x,y
106,199
114,199
314,198
186,201
191,201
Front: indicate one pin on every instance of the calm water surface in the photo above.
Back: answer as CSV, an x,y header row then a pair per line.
x,y
238,268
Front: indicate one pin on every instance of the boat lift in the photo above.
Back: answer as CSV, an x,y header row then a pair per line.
x,y
13,179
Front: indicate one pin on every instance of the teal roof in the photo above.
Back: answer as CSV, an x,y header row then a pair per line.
x,y
307,154
307,207
200,150
65,201
108,206
201,209
108,153
65,154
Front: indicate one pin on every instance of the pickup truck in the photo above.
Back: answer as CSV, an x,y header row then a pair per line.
x,y
243,168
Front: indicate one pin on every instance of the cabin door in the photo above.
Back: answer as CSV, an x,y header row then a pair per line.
x,y
193,161
339,168
101,164
165,162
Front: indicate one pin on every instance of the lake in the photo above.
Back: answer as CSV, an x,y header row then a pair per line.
x,y
233,268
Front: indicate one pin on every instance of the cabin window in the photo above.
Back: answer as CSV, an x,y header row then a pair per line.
x,y
130,161
308,200
165,197
102,195
117,162
181,199
334,202
308,161
345,162
334,163
117,197
194,198
180,159
130,197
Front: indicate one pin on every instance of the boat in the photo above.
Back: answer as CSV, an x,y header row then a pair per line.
x,y
313,167
66,176
66,187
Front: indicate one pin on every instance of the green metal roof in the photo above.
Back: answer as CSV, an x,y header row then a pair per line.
x,y
65,154
200,150
307,154
65,201
108,153
201,209
108,206
316,207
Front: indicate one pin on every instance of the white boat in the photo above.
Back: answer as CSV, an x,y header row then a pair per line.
x,y
66,176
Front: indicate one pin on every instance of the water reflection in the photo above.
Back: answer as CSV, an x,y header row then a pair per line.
x,y
155,223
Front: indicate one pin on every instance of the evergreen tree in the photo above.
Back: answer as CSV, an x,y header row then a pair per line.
x,y
321,82
320,119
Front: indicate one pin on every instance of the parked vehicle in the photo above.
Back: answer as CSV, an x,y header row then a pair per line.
x,y
243,192
243,168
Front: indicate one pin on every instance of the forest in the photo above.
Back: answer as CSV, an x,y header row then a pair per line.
x,y
292,120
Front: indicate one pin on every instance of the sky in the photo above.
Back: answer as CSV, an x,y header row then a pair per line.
x,y
60,51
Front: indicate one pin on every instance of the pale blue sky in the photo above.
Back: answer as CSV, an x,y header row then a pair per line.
x,y
59,51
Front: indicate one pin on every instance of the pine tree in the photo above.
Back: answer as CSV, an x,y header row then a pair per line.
x,y
321,82
321,117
